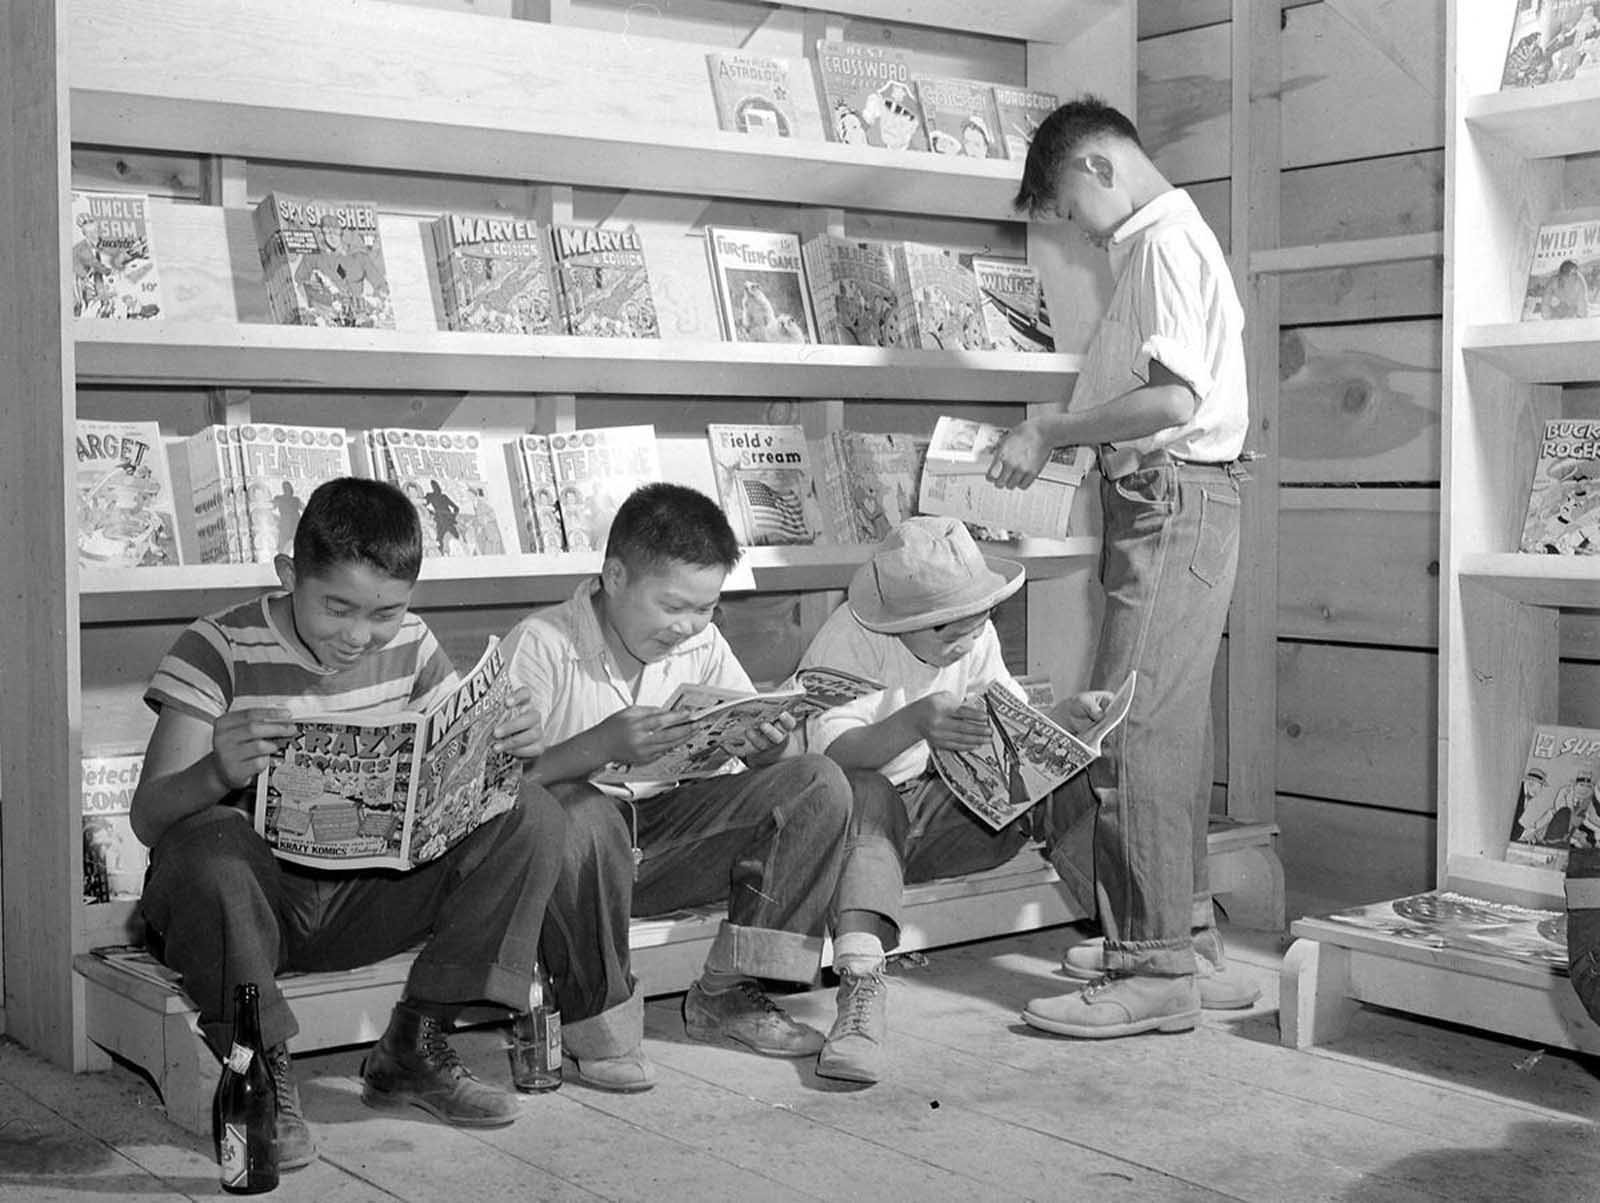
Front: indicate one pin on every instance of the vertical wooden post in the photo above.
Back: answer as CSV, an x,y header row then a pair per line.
x,y
1253,619
41,728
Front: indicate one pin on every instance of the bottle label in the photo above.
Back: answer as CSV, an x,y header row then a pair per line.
x,y
238,1058
234,1157
552,1039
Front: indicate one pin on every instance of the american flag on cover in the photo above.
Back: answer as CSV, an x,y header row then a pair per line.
x,y
776,515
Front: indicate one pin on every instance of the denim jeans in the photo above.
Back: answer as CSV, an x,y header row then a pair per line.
x,y
224,910
1583,926
1169,556
768,841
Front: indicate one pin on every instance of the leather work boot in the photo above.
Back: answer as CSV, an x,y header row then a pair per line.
x,y
745,1015
628,1073
1220,988
855,1048
295,1146
414,1065
1119,1006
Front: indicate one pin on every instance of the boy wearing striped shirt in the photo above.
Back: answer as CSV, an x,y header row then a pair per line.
x,y
221,909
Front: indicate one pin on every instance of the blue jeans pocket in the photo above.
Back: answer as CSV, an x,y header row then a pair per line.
x,y
1216,542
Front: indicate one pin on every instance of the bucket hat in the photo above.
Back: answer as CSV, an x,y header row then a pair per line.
x,y
928,571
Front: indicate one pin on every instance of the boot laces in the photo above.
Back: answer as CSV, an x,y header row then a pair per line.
x,y
861,991
283,1087
757,998
435,1049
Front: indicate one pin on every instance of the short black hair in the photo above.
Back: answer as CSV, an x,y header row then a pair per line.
x,y
351,520
664,522
1058,136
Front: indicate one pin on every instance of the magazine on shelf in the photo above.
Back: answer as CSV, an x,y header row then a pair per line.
x,y
869,482
1013,304
323,262
595,470
458,481
1027,756
1556,800
283,465
954,482
765,484
212,485
1445,919
536,476
1022,111
941,296
127,511
114,271
494,273
602,283
718,723
853,293
867,96
114,860
759,281
1552,40
391,792
1564,274
961,117
1563,515
754,93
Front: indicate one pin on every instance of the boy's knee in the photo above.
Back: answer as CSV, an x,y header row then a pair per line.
x,y
595,828
876,804
823,783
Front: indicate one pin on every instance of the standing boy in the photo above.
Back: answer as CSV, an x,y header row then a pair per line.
x,y
917,623
769,840
223,910
1162,394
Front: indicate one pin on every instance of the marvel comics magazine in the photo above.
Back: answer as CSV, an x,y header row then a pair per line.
x,y
323,262
494,274
602,284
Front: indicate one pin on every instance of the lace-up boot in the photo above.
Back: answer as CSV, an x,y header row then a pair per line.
x,y
1119,1005
295,1146
854,1051
414,1065
745,1015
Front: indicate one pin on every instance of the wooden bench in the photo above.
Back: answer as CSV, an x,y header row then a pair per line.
x,y
140,1015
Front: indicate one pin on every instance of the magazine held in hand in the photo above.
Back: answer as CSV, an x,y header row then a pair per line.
x,y
391,792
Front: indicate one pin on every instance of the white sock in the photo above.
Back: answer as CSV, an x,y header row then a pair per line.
x,y
857,952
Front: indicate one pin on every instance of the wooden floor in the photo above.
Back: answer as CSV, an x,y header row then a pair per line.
x,y
978,1107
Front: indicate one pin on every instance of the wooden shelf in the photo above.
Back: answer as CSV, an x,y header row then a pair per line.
x,y
1348,253
1537,580
267,356
995,18
1559,352
1502,881
1542,122
167,594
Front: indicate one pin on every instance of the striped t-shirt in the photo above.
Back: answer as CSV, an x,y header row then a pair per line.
x,y
237,659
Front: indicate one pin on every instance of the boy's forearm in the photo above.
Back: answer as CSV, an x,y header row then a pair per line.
x,y
1136,414
571,760
874,745
159,803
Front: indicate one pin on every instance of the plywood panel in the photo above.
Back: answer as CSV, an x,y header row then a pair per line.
x,y
1580,694
1358,724
1359,565
1360,403
1337,855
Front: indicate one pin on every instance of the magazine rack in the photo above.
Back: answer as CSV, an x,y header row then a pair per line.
x,y
1501,624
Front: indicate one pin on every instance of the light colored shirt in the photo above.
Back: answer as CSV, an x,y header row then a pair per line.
x,y
844,643
1173,301
560,654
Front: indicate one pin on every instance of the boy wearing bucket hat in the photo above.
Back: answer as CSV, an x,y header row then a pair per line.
x,y
1162,394
917,622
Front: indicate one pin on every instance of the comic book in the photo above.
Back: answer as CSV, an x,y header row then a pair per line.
x,y
494,274
114,270
853,294
393,792
602,284
210,458
1445,919
718,723
754,93
595,471
1563,515
1027,756
764,481
113,858
942,298
283,465
458,481
1551,40
1013,304
323,262
869,482
760,284
1021,111
961,117
867,96
1564,275
1556,802
127,514
955,482
537,479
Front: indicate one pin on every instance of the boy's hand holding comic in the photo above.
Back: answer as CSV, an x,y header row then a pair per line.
x,y
768,741
520,730
1082,710
1020,457
243,741
946,721
639,734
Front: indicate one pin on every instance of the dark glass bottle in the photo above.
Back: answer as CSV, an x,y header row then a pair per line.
x,y
536,1039
247,1105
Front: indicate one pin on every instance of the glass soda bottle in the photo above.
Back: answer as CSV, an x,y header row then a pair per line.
x,y
247,1105
536,1039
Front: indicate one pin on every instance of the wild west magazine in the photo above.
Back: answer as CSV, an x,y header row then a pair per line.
x,y
395,791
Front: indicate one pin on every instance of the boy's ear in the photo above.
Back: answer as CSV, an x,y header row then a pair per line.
x,y
613,576
1101,167
284,566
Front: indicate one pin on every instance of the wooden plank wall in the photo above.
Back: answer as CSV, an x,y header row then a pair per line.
x,y
1359,398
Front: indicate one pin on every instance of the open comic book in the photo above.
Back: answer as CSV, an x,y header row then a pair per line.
x,y
1027,755
723,720
391,792
955,482
1442,919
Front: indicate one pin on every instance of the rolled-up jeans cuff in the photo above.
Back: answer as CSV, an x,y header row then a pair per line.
x,y
1151,958
763,952
612,1033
